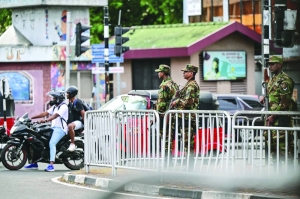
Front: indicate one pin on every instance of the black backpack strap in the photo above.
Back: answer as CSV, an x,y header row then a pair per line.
x,y
61,119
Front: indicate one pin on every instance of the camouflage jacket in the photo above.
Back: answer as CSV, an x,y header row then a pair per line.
x,y
280,90
167,90
188,97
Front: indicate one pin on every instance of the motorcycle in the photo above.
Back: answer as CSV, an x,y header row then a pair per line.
x,y
27,137
3,138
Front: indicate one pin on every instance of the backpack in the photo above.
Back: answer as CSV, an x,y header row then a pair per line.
x,y
62,119
85,105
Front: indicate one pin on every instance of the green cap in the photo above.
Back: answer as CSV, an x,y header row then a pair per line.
x,y
163,68
275,59
190,68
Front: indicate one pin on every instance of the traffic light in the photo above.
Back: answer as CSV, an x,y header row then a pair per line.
x,y
119,40
278,25
80,39
284,26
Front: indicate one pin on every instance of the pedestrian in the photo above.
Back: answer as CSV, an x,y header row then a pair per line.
x,y
187,99
76,115
167,91
280,90
58,114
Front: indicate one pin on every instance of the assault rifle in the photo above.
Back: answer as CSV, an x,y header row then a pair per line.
x,y
176,96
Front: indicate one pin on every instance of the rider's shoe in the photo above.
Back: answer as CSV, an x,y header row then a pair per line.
x,y
72,147
32,166
50,167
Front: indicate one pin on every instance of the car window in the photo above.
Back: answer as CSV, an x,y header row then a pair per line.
x,y
126,102
227,104
254,104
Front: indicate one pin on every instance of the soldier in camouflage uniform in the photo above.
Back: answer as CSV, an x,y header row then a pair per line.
x,y
280,90
187,99
167,90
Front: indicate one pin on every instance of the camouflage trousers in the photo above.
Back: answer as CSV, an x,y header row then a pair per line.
x,y
282,146
183,134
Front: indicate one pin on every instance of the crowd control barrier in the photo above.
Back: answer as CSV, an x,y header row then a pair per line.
x,y
189,142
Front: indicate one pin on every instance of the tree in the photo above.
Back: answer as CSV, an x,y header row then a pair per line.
x,y
150,12
5,19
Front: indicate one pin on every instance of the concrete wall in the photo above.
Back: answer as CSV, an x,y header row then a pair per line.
x,y
46,26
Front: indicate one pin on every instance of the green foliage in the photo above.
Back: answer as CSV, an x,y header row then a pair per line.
x,y
135,13
5,19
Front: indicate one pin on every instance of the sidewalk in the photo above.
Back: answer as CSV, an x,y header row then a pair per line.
x,y
186,185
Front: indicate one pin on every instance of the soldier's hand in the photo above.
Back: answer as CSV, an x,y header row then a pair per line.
x,y
270,120
173,104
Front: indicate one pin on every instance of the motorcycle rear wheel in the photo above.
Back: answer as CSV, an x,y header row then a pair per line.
x,y
11,160
72,164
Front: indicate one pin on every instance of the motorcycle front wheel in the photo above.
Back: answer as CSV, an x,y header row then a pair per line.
x,y
76,161
11,159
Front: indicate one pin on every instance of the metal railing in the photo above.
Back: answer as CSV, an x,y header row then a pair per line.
x,y
187,141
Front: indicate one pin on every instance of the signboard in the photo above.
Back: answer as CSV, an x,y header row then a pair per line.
x,y
98,54
100,70
193,7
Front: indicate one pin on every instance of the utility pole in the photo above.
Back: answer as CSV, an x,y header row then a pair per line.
x,y
67,70
106,52
266,35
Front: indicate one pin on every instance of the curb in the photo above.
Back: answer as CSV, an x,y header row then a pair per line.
x,y
154,190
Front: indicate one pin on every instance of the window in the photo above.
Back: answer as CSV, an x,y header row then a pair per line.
x,y
144,77
20,85
227,104
253,103
83,81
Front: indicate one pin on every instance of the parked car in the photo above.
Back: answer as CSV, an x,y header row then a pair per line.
x,y
241,102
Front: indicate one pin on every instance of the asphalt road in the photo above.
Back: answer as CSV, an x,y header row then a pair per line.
x,y
38,184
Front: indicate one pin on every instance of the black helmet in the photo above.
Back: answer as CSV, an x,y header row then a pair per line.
x,y
72,91
58,97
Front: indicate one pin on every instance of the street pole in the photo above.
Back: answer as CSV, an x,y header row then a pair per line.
x,y
97,88
266,23
106,52
67,70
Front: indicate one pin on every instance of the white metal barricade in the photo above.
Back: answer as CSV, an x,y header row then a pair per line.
x,y
258,157
137,139
99,136
196,141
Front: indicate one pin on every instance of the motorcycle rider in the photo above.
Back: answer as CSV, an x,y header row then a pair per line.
x,y
58,113
76,115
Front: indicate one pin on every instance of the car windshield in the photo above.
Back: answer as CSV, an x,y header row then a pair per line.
x,y
125,102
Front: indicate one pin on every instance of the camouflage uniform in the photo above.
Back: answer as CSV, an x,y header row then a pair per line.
x,y
280,89
167,90
187,99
